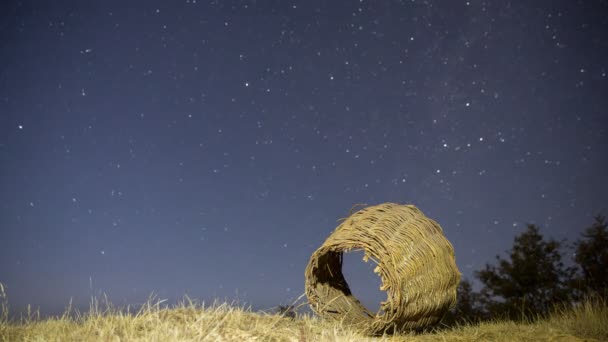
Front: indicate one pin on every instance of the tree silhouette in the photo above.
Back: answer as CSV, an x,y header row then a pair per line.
x,y
592,257
287,311
530,282
468,305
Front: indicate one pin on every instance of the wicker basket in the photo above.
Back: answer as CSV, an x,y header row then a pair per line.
x,y
414,261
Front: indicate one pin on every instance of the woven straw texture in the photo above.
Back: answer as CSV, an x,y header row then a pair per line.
x,y
414,261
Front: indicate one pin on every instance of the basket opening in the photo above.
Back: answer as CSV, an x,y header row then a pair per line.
x,y
362,281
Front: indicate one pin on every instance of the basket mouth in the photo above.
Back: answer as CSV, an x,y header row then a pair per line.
x,y
332,273
334,297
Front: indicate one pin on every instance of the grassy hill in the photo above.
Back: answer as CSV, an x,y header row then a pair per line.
x,y
190,321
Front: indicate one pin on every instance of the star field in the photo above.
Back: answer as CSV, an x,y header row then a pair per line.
x,y
208,148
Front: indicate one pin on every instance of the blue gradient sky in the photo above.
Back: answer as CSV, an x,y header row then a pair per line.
x,y
208,148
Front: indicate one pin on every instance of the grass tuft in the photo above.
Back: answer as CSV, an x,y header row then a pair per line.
x,y
588,319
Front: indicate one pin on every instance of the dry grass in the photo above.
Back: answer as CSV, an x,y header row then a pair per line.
x,y
190,321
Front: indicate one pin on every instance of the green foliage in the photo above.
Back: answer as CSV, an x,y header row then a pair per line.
x,y
592,257
530,282
533,279
468,306
287,311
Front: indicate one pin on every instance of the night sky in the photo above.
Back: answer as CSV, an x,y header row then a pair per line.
x,y
207,148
